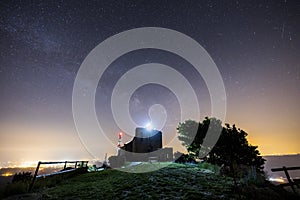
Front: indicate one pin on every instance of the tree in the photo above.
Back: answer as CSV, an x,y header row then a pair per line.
x,y
231,148
192,133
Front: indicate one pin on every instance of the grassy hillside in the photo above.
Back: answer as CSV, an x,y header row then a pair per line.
x,y
176,181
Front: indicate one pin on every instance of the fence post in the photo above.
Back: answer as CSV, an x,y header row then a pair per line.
x,y
65,164
289,178
34,176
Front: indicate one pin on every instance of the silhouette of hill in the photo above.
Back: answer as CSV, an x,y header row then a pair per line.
x,y
176,181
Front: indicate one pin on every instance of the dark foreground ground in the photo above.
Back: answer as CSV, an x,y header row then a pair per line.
x,y
176,181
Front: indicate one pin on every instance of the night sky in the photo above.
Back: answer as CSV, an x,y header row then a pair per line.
x,y
255,45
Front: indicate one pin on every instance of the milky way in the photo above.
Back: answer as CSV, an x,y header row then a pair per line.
x,y
255,45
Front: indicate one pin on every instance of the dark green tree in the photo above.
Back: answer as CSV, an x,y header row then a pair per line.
x,y
192,133
231,148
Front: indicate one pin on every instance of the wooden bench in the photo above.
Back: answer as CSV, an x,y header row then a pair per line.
x,y
292,183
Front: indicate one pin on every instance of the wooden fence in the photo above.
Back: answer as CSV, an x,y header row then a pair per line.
x,y
292,183
77,165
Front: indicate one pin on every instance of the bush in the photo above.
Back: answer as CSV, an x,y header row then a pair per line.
x,y
19,184
22,177
15,188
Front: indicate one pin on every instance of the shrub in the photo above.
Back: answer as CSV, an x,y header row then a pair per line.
x,y
185,158
19,184
15,188
22,177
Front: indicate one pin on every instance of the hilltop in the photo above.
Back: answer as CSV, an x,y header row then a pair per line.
x,y
176,181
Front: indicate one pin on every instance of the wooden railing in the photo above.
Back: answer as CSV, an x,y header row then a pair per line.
x,y
291,182
77,165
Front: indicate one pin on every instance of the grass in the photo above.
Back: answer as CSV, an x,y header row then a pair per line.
x,y
174,181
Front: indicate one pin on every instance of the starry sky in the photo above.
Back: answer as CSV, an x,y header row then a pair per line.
x,y
255,45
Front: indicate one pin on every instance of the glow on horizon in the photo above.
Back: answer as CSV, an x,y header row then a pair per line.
x,y
282,154
27,151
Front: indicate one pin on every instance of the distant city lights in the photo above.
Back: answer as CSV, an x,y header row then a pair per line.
x,y
7,174
279,180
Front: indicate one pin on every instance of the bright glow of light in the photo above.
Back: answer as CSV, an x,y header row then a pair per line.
x,y
280,180
149,126
7,174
